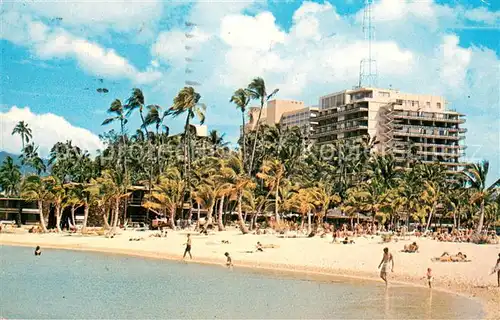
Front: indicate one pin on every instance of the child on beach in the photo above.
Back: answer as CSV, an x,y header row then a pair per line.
x,y
229,262
188,247
429,277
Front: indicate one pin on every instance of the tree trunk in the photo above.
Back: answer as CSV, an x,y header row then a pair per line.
x,y
18,214
42,218
220,223
454,219
250,165
171,220
85,216
302,222
309,223
198,214
73,209
429,219
243,227
105,217
276,202
210,219
243,155
58,217
116,214
481,219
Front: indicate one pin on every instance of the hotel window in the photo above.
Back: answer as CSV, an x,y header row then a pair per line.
x,y
428,104
384,94
439,105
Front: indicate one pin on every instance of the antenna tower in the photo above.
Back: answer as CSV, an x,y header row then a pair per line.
x,y
368,66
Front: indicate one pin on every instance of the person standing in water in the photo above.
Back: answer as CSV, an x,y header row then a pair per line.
x,y
497,270
229,261
429,277
188,247
38,251
386,259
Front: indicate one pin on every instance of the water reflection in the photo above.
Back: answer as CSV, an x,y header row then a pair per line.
x,y
428,309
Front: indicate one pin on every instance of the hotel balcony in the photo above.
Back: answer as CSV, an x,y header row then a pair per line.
x,y
436,134
430,116
336,112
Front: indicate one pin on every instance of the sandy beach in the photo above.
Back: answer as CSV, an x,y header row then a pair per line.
x,y
309,255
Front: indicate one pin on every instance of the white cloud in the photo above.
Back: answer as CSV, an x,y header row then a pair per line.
x,y
321,51
47,129
482,14
255,33
99,17
175,45
48,43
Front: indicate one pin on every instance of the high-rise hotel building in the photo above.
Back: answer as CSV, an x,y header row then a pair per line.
x,y
397,122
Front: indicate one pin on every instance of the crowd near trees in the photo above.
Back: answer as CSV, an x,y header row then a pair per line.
x,y
271,172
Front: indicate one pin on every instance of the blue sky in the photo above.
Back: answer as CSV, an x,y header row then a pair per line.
x,y
54,53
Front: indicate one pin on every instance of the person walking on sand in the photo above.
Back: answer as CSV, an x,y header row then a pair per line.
x,y
386,259
229,261
188,247
497,270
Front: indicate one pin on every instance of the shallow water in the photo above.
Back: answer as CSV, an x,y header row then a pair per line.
x,y
64,284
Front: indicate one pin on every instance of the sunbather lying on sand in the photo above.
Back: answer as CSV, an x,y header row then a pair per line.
x,y
347,241
446,257
135,239
411,248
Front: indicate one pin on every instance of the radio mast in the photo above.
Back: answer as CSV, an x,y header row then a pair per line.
x,y
368,66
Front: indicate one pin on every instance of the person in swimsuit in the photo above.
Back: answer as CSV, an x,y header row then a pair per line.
x,y
229,262
188,247
429,277
38,252
259,246
386,259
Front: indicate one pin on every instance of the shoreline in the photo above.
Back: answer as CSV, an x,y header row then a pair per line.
x,y
488,297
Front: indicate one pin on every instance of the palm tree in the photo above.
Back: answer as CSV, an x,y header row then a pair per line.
x,y
273,174
241,99
217,141
58,198
113,187
235,183
118,111
188,101
41,190
476,175
136,101
10,177
167,194
24,131
155,117
430,198
256,90
30,157
304,202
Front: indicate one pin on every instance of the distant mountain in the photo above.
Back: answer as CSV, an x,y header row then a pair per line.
x,y
15,157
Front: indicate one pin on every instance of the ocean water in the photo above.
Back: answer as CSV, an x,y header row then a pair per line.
x,y
62,284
